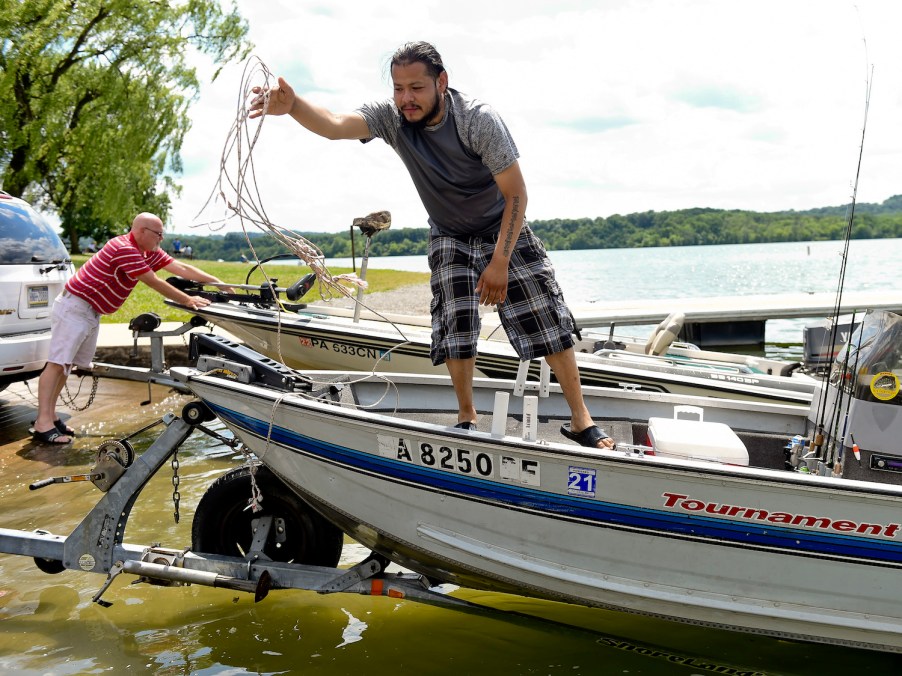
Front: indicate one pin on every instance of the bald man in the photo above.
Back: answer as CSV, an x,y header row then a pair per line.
x,y
100,287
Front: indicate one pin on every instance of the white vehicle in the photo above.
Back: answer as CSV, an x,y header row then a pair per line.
x,y
34,267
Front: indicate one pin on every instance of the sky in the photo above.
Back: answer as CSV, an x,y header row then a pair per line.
x,y
616,106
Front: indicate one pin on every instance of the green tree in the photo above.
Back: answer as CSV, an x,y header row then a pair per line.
x,y
94,100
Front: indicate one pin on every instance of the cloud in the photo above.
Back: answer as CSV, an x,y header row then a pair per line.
x,y
616,106
595,125
726,98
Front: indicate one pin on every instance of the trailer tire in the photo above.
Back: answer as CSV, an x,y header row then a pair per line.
x,y
49,566
222,525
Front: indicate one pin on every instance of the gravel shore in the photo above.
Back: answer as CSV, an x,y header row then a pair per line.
x,y
408,300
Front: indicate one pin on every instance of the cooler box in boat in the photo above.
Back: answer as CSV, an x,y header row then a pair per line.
x,y
696,440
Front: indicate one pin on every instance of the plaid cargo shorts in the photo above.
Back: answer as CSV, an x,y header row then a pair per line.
x,y
534,314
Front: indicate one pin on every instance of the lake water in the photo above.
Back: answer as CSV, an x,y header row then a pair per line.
x,y
48,624
707,271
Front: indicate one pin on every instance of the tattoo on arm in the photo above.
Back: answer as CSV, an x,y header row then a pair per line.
x,y
515,216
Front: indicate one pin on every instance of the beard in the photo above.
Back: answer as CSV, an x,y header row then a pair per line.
x,y
427,119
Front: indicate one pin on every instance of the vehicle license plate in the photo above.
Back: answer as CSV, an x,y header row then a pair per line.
x,y
38,296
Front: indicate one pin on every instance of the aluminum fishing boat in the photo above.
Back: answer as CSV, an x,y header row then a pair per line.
x,y
748,516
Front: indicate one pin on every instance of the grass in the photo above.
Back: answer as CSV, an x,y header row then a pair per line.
x,y
144,299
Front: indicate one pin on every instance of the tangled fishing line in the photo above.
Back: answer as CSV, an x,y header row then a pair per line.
x,y
236,188
237,193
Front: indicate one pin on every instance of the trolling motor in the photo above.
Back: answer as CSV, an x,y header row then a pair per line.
x,y
265,295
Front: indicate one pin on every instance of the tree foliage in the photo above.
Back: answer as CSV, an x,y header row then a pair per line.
x,y
685,227
689,227
94,97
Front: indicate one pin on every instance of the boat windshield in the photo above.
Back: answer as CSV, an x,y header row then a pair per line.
x,y
874,353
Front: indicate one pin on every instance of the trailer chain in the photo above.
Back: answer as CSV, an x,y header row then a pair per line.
x,y
176,496
69,399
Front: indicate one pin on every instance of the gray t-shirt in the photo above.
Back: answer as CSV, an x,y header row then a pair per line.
x,y
453,163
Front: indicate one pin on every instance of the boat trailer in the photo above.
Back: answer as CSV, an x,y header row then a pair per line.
x,y
97,544
146,325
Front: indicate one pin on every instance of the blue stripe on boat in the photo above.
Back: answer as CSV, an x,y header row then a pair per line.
x,y
604,514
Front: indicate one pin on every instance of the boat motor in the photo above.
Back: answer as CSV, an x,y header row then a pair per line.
x,y
264,295
864,396
300,288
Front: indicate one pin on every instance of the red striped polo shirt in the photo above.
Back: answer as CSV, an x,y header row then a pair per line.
x,y
108,277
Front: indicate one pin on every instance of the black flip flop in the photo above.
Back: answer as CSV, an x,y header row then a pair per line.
x,y
63,428
589,437
466,425
50,437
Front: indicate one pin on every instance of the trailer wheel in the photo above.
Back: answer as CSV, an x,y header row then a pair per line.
x,y
49,566
222,525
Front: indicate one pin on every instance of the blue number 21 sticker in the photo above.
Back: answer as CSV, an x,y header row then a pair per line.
x,y
581,481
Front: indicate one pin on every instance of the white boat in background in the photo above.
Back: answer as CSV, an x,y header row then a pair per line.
x,y
747,516
324,337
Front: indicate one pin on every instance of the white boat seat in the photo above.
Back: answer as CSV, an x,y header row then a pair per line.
x,y
665,333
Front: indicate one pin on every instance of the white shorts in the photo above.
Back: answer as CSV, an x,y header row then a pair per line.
x,y
74,327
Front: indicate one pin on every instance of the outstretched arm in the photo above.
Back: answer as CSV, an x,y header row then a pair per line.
x,y
282,100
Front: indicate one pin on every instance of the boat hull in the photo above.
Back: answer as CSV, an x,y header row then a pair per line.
x,y
780,553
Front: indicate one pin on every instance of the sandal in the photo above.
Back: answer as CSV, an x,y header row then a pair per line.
x,y
466,425
52,436
589,437
63,428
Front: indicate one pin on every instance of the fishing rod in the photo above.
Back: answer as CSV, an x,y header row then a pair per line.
x,y
853,384
844,374
822,404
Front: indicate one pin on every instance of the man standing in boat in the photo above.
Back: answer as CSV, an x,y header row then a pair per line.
x,y
464,165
